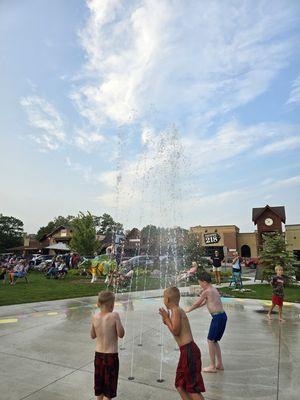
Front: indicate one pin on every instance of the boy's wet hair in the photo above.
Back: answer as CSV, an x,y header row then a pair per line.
x,y
105,297
204,277
173,294
278,267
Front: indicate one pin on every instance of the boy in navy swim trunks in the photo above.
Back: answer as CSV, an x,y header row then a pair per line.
x,y
188,382
106,328
211,297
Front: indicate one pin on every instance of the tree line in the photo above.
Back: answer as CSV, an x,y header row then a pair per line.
x,y
174,242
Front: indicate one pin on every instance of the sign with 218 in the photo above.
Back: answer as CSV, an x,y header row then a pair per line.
x,y
210,238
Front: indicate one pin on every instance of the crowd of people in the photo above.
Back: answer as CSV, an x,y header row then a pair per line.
x,y
13,267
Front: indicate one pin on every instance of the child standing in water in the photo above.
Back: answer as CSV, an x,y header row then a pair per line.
x,y
106,328
211,297
277,283
188,382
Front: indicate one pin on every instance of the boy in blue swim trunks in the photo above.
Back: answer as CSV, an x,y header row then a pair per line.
x,y
211,297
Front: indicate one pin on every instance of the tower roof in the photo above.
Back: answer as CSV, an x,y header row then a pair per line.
x,y
278,210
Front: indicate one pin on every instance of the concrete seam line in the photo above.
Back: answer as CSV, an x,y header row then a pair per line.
x,y
156,387
56,380
22,330
36,359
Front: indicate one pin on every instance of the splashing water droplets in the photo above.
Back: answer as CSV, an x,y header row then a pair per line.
x,y
150,193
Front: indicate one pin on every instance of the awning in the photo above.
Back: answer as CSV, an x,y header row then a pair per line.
x,y
58,246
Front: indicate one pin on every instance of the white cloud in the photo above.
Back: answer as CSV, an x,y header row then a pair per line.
x,y
286,182
294,97
202,59
288,143
46,120
86,172
233,139
88,141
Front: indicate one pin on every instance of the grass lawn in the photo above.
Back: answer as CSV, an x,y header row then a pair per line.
x,y
41,289
264,292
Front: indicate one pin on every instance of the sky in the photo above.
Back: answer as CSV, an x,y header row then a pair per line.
x,y
155,111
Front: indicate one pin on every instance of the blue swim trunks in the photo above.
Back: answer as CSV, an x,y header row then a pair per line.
x,y
217,326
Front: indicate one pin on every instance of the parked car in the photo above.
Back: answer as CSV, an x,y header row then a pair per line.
x,y
39,259
33,258
251,263
138,261
296,265
229,259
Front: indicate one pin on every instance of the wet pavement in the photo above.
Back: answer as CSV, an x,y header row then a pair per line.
x,y
46,352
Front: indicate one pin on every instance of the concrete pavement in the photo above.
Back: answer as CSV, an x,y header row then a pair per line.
x,y
46,352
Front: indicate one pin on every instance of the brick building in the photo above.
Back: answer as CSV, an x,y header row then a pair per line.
x,y
228,238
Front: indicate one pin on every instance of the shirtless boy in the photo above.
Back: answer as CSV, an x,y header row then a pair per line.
x,y
106,328
211,297
188,382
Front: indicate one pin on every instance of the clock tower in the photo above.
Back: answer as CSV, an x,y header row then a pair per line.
x,y
268,220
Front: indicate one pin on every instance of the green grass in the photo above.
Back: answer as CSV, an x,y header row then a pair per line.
x,y
264,292
41,289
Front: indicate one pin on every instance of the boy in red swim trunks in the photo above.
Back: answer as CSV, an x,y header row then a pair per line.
x,y
188,382
106,328
277,283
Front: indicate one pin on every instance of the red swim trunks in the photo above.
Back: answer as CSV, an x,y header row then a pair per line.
x,y
188,374
106,374
278,301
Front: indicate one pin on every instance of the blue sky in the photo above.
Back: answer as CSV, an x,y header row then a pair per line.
x,y
91,91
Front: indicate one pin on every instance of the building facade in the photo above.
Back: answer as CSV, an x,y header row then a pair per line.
x,y
228,239
292,237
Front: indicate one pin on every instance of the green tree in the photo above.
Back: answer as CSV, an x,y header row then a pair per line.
x,y
107,225
84,239
55,223
163,241
195,252
11,232
150,236
275,253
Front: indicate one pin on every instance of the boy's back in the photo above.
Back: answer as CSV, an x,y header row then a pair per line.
x,y
106,327
106,332
213,299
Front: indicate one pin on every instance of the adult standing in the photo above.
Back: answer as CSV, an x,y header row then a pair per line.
x,y
217,263
237,270
110,251
68,260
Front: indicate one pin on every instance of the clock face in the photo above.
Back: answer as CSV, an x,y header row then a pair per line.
x,y
268,221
